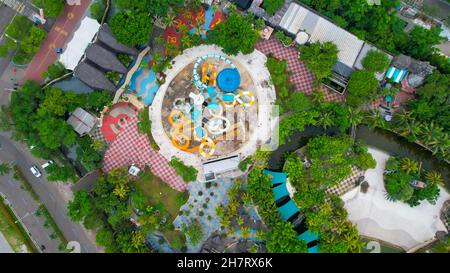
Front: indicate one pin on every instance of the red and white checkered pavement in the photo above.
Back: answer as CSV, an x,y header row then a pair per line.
x,y
130,147
301,77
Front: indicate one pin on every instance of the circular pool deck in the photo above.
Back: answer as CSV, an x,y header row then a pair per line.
x,y
263,125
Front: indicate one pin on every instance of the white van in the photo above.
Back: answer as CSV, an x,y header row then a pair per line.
x,y
35,171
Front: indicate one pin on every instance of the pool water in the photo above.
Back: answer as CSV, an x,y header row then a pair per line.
x,y
144,83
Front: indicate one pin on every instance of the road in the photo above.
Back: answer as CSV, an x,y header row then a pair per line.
x,y
49,194
57,37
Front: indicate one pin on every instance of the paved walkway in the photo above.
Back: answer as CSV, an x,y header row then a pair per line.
x,y
393,222
58,37
199,195
130,147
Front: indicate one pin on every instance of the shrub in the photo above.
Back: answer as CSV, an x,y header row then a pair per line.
x,y
187,173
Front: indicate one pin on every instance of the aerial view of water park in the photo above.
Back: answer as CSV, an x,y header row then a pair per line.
x,y
224,127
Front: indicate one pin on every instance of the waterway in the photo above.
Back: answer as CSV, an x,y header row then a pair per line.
x,y
377,138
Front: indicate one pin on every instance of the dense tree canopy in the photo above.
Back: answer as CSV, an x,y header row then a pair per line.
x,y
375,61
235,35
362,88
400,173
52,8
319,58
131,28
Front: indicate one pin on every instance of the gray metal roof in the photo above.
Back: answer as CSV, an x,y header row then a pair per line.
x,y
92,77
106,37
104,58
82,121
298,18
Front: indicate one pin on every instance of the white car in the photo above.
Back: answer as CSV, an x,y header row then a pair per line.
x,y
35,171
46,164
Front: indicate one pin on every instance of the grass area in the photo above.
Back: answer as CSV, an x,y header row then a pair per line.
x,y
158,192
15,234
176,238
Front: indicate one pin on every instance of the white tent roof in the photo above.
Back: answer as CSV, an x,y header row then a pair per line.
x,y
82,37
298,18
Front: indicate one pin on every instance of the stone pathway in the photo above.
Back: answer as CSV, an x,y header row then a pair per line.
x,y
220,189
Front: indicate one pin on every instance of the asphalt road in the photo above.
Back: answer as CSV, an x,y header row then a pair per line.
x,y
49,194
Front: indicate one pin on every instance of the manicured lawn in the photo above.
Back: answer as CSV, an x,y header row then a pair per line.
x,y
14,233
159,192
385,247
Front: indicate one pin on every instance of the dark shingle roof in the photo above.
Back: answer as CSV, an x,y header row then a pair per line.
x,y
106,37
92,77
104,58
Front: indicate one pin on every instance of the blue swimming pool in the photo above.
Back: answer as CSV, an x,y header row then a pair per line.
x,y
144,83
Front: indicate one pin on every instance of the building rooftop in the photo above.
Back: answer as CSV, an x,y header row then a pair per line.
x,y
298,18
82,121
104,58
93,77
80,40
105,37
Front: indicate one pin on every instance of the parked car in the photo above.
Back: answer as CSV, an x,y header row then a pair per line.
x,y
35,171
46,164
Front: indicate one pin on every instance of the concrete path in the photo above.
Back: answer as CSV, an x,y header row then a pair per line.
x,y
393,222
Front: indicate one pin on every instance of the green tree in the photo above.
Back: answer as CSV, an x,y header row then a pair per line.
x,y
298,102
421,42
55,132
131,28
18,28
283,239
31,43
235,35
57,173
409,166
54,71
194,232
362,88
319,58
80,206
97,9
376,61
5,168
187,173
434,178
52,8
271,6
105,238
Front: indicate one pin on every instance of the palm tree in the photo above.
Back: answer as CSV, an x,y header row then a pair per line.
x,y
431,132
318,96
326,120
225,222
260,235
434,178
121,190
409,165
355,117
246,232
169,19
5,168
220,211
240,220
374,119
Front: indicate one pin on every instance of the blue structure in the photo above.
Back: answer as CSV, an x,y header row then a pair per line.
x,y
280,191
396,74
290,209
276,177
229,80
